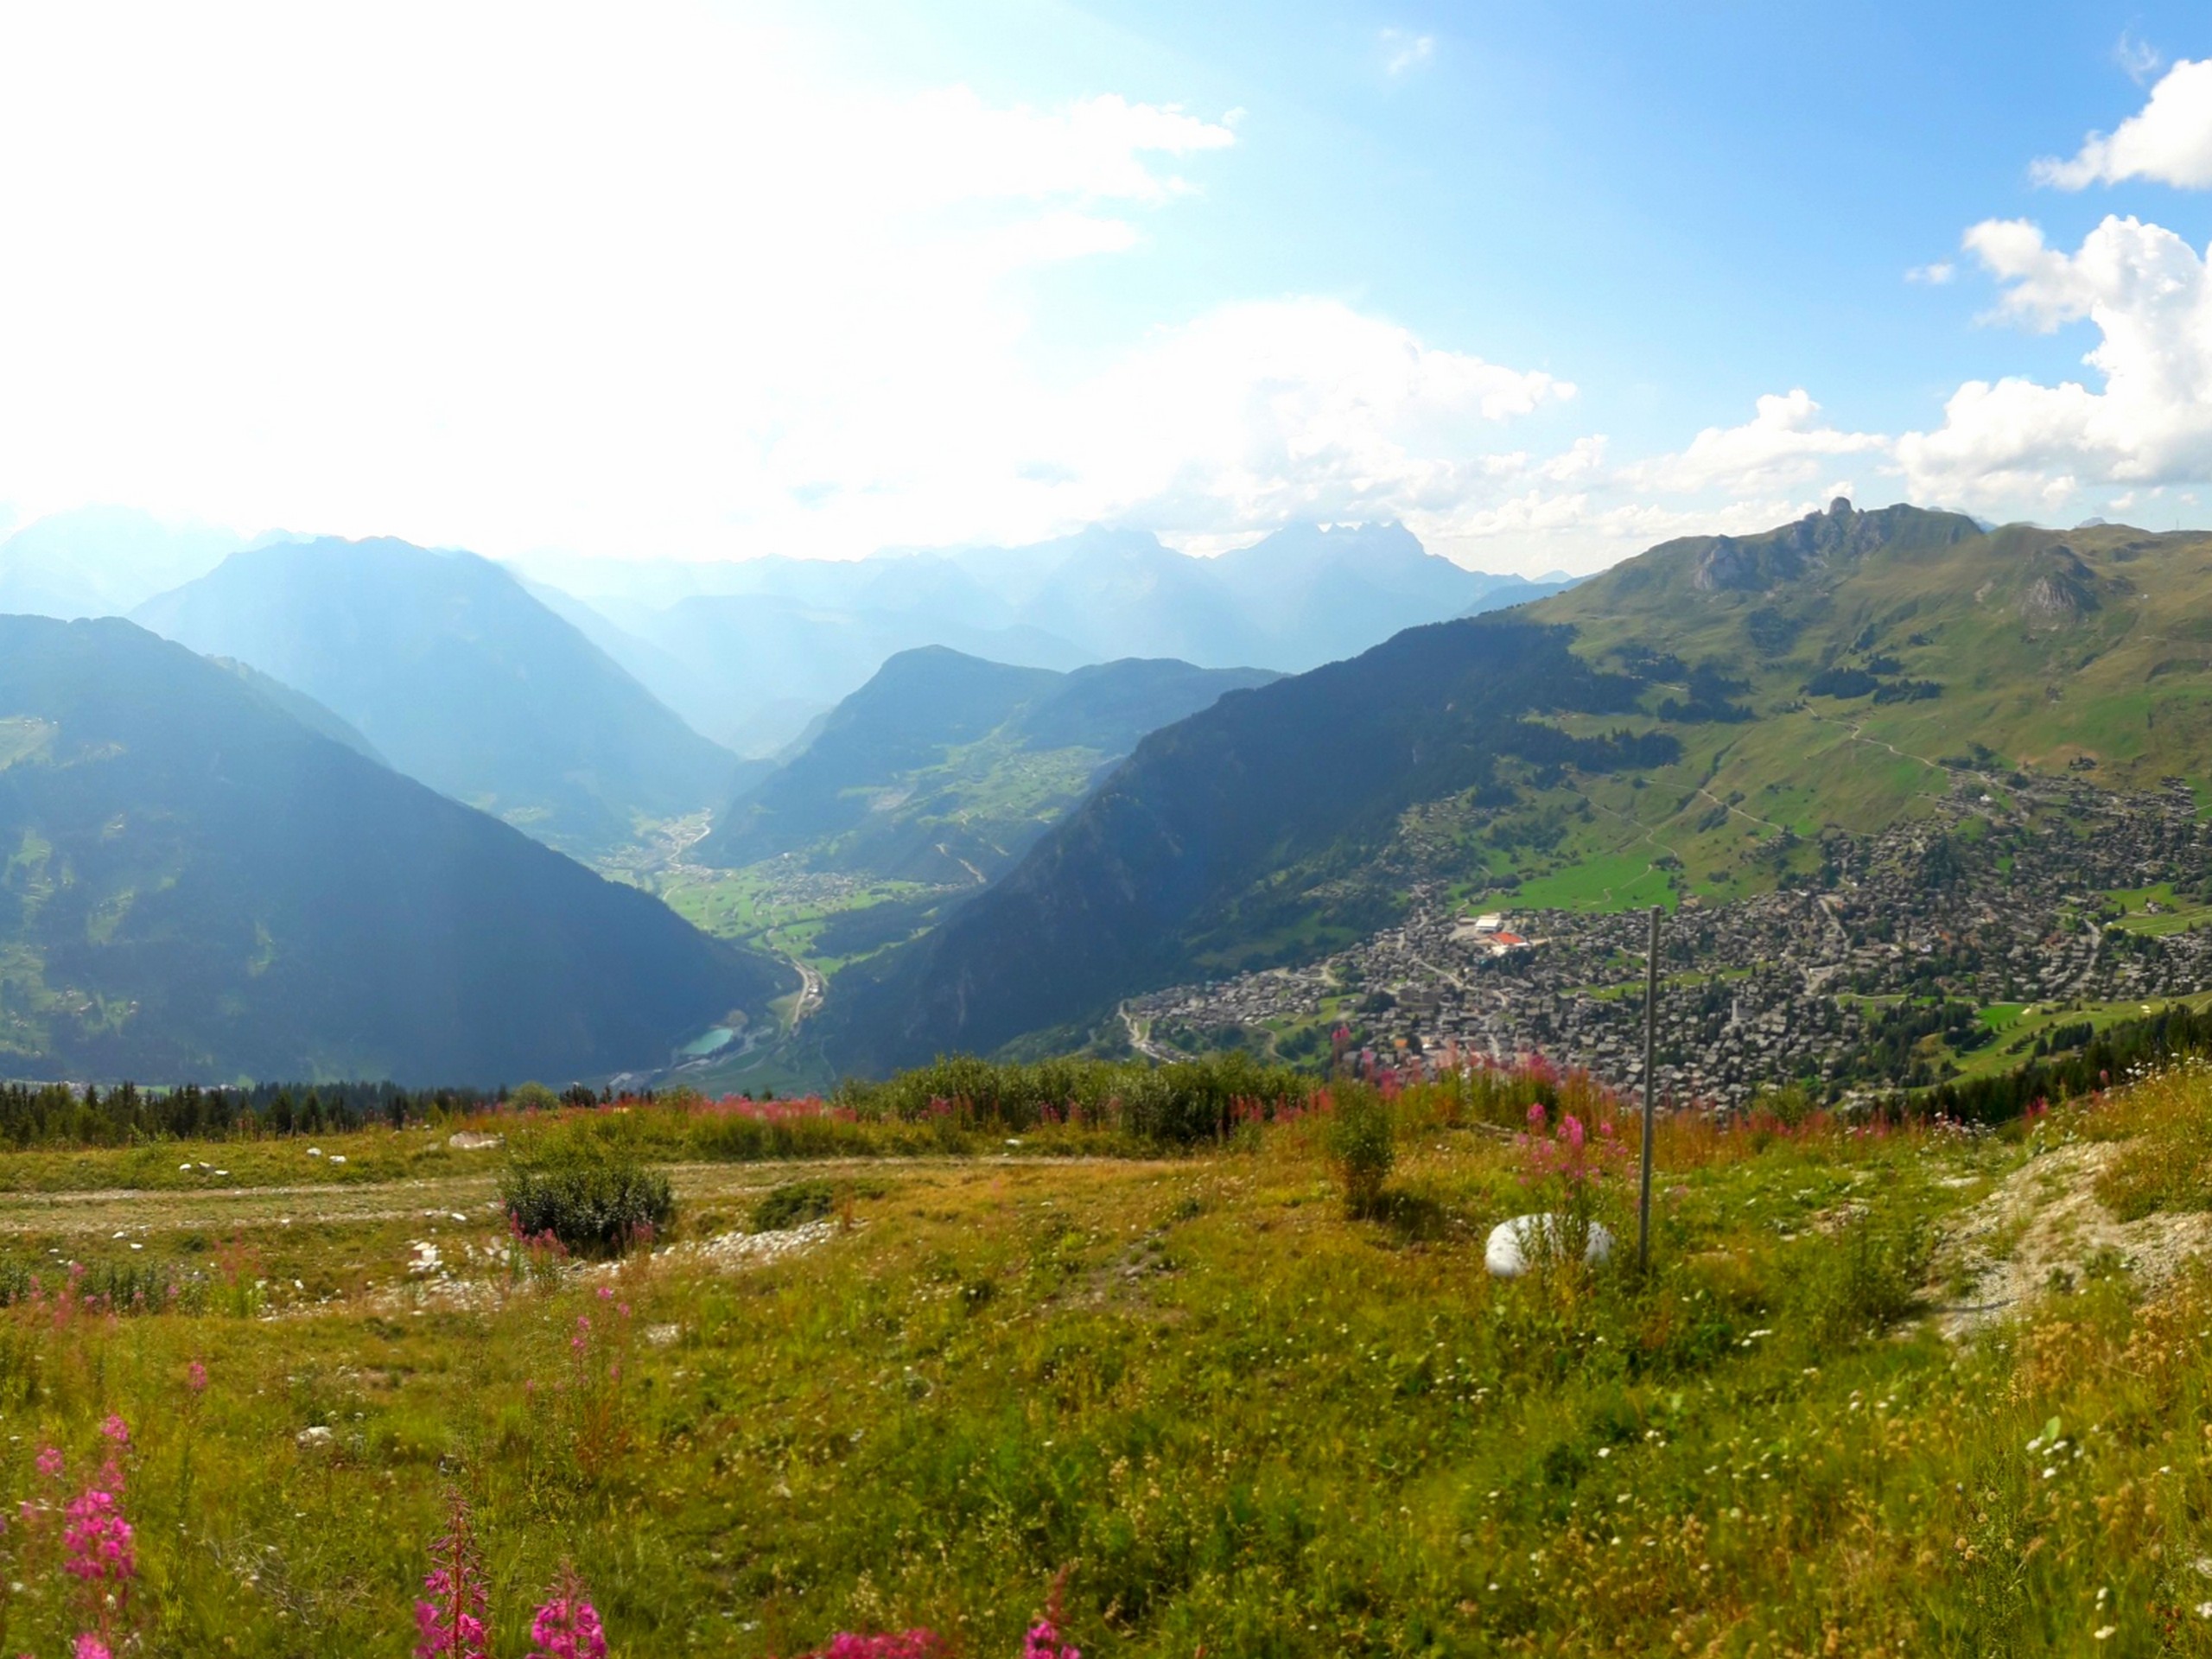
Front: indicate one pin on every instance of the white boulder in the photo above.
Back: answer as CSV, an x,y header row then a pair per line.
x,y
1512,1243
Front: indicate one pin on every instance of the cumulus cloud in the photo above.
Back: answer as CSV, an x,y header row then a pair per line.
x,y
2169,140
1935,274
2146,292
1257,413
1783,445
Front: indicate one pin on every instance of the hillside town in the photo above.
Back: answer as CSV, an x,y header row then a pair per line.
x,y
1874,973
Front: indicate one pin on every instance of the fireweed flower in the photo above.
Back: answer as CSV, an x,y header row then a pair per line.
x,y
195,1377
98,1540
451,1621
901,1645
116,1430
1044,1642
567,1626
89,1646
49,1462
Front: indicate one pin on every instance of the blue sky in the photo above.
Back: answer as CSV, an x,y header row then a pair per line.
x,y
716,280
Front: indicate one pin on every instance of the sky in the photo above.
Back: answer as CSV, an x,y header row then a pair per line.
x,y
689,280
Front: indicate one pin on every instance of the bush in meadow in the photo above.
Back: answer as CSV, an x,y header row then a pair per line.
x,y
1359,1136
591,1192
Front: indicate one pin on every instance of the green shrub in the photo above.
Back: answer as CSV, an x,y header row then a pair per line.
x,y
1361,1142
593,1194
532,1097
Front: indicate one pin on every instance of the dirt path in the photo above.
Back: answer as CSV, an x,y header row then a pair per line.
x,y
108,1210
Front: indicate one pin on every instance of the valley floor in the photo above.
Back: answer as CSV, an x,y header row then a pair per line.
x,y
1886,1389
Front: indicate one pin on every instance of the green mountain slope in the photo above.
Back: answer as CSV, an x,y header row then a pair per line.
x,y
1251,819
1760,695
1853,652
459,678
943,768
194,884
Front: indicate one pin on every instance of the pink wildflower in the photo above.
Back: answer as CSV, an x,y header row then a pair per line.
x,y
452,1621
903,1645
91,1646
49,1462
1044,1642
567,1626
1570,1128
195,1377
116,1430
99,1538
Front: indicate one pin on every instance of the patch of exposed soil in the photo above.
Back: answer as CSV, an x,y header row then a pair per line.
x,y
2044,1228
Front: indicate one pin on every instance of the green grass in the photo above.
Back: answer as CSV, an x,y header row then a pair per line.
x,y
1615,882
2175,915
1233,1417
754,906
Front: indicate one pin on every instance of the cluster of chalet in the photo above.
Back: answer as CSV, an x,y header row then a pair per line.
x,y
1792,985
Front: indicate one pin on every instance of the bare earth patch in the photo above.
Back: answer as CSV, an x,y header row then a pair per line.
x,y
2045,1228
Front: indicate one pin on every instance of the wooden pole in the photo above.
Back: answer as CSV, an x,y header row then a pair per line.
x,y
1650,1054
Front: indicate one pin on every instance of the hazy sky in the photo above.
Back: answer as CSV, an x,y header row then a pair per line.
x,y
1550,283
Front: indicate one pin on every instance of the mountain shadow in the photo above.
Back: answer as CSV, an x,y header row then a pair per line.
x,y
195,885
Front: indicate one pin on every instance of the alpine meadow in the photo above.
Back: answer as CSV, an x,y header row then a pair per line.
x,y
900,832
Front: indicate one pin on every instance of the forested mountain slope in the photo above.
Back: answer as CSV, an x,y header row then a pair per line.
x,y
944,767
1232,825
192,884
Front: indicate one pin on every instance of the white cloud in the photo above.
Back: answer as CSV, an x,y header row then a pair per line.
x,y
1935,274
2147,291
2169,140
1307,409
646,279
1783,446
2137,59
1404,52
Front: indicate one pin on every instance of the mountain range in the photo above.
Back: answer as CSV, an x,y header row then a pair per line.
x,y
193,883
945,767
453,673
1710,710
102,561
751,653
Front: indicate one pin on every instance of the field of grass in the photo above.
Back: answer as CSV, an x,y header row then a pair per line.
x,y
1223,1415
2017,1026
1625,880
2174,915
759,906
